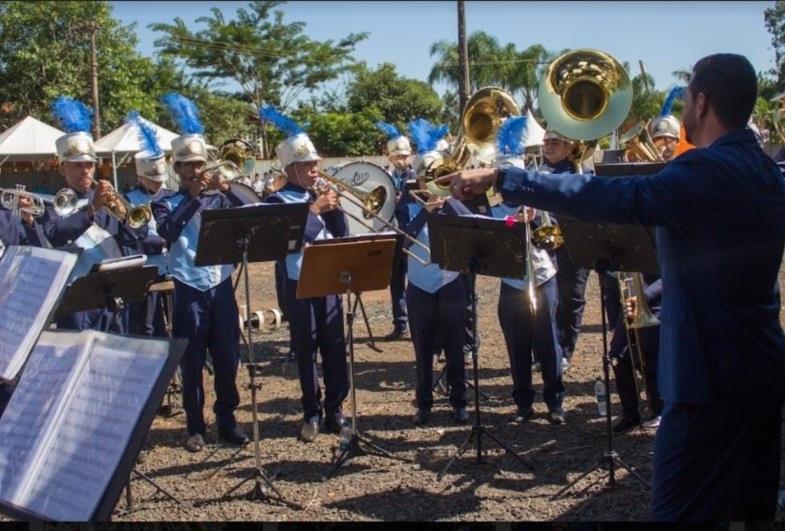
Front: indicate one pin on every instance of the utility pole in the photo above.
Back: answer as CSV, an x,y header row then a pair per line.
x,y
643,73
93,28
463,58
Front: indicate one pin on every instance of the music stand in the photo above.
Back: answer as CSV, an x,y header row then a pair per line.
x,y
259,233
113,289
607,247
349,265
478,246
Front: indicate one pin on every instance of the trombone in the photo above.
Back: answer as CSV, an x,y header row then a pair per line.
x,y
631,286
370,203
66,203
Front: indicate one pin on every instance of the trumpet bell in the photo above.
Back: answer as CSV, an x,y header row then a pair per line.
x,y
547,237
639,143
65,202
139,216
585,94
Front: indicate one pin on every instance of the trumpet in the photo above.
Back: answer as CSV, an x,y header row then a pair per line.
x,y
370,203
640,145
66,203
227,167
10,199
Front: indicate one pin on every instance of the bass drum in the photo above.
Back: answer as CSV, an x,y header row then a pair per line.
x,y
365,177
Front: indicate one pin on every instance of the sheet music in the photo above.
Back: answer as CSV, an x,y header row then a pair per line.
x,y
31,413
31,282
68,479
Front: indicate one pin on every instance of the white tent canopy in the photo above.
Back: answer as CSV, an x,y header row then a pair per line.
x,y
28,139
534,131
125,140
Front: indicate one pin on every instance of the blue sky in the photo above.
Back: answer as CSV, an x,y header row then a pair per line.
x,y
666,36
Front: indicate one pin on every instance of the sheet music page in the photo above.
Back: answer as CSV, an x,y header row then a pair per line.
x,y
31,282
33,407
92,435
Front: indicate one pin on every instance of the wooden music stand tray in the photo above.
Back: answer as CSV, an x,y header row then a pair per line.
x,y
349,265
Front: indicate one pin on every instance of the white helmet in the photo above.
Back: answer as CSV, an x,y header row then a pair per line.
x,y
664,126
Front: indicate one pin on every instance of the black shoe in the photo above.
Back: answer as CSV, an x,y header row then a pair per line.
x,y
556,416
334,423
399,332
233,435
310,429
625,424
460,415
523,415
421,416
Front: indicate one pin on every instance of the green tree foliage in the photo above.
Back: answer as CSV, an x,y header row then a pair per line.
x,y
774,19
272,60
45,53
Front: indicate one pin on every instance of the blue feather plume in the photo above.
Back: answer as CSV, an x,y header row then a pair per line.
x,y
510,139
147,135
270,114
425,134
73,115
676,92
184,113
388,129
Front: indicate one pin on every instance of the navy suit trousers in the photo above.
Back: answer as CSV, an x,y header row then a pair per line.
x,y
718,462
525,334
398,290
209,320
433,316
317,325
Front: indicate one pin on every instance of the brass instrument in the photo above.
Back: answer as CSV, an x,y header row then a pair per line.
x,y
369,203
639,143
631,285
480,121
10,198
66,203
227,166
585,94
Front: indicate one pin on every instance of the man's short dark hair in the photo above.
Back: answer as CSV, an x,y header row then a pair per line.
x,y
729,82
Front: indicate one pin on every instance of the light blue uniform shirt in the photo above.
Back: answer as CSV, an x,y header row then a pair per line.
x,y
182,254
430,278
294,261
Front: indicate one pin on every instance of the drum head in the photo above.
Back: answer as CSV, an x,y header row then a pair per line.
x,y
366,177
245,193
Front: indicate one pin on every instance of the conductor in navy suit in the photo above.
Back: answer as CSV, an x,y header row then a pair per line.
x,y
719,217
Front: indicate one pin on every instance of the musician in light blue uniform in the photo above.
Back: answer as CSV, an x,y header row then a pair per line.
x,y
147,318
436,299
316,323
90,227
205,310
399,152
529,328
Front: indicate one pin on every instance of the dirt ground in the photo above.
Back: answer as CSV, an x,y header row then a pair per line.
x,y
374,488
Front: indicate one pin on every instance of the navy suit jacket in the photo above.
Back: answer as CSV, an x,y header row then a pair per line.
x,y
719,218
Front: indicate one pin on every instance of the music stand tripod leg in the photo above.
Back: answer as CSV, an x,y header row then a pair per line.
x,y
257,474
477,428
353,448
372,342
610,456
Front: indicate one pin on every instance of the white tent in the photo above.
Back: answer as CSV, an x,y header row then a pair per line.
x,y
125,141
28,139
534,131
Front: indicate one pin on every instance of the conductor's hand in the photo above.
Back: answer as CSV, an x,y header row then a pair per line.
x,y
433,203
326,202
466,184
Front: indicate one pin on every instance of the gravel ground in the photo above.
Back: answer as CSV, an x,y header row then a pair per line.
x,y
374,488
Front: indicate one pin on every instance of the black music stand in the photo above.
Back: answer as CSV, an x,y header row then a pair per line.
x,y
349,265
260,233
607,247
114,290
478,246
